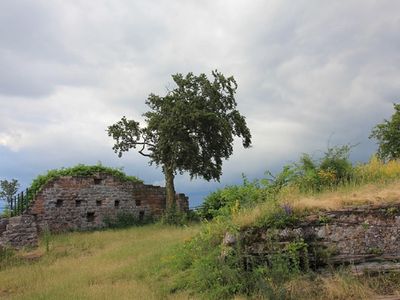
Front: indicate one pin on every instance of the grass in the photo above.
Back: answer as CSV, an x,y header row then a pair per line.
x,y
108,264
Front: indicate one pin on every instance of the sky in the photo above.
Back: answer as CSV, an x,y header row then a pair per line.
x,y
311,74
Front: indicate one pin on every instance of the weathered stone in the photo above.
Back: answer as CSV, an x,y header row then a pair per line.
x,y
352,235
20,232
229,239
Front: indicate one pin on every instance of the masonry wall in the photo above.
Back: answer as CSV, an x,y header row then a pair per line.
x,y
81,203
18,232
350,236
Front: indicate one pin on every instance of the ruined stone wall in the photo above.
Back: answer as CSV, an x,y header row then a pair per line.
x,y
349,236
71,203
83,203
18,232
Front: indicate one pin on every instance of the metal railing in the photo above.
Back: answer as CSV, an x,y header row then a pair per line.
x,y
19,203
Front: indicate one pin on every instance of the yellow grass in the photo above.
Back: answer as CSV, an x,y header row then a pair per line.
x,y
97,265
334,286
368,194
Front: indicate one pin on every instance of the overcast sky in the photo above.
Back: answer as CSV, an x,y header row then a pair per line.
x,y
309,73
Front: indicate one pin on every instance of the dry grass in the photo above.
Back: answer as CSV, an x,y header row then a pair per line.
x,y
336,286
96,265
370,194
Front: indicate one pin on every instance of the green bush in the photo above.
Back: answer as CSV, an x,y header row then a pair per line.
x,y
308,175
226,201
173,216
332,169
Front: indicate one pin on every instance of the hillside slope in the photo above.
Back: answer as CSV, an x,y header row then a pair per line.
x,y
108,264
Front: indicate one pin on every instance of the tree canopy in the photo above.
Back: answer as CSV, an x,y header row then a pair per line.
x,y
387,135
8,189
191,129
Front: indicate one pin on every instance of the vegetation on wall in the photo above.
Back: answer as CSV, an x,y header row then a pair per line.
x,y
78,170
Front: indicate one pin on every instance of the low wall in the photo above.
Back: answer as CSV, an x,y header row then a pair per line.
x,y
18,232
349,236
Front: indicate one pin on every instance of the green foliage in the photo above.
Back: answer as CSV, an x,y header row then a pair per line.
x,y
323,219
308,175
376,171
198,264
6,213
279,217
297,252
207,267
78,170
124,220
191,129
47,238
332,169
387,135
8,189
173,216
228,200
392,211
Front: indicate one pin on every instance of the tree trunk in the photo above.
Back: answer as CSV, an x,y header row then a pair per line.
x,y
170,188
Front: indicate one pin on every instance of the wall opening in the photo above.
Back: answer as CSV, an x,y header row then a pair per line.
x,y
78,203
97,180
59,203
138,202
98,203
116,203
141,215
90,216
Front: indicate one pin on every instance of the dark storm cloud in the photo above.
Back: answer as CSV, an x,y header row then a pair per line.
x,y
309,73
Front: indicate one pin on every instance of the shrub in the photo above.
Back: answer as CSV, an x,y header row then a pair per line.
x,y
377,170
332,169
224,202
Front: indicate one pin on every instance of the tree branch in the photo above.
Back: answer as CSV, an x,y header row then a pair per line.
x,y
141,150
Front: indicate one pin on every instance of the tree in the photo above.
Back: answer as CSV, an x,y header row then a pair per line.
x,y
387,135
190,129
8,189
